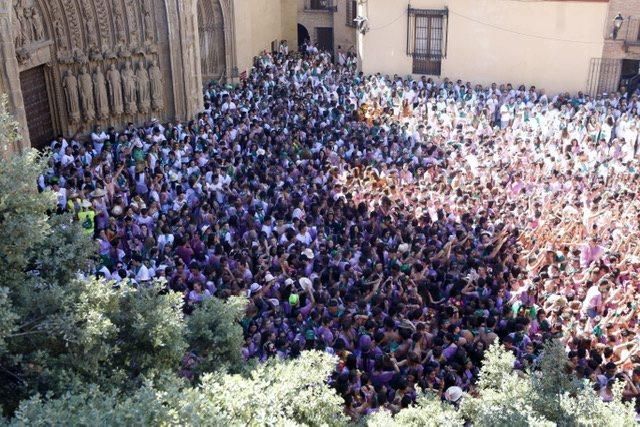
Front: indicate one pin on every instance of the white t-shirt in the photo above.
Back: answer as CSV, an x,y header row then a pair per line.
x,y
593,298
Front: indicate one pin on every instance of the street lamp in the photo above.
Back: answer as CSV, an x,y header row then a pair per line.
x,y
617,24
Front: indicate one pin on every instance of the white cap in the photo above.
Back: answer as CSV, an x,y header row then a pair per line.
x,y
274,302
254,288
306,284
453,394
308,253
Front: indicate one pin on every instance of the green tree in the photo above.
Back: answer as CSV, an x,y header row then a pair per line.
x,y
545,397
215,335
59,331
277,393
505,396
428,411
551,380
118,337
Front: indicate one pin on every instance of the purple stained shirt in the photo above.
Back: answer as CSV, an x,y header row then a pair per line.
x,y
450,351
382,378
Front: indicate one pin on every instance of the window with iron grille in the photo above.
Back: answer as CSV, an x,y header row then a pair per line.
x,y
426,39
352,12
320,4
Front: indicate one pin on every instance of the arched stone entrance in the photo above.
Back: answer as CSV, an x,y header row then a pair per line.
x,y
69,65
303,35
97,61
211,31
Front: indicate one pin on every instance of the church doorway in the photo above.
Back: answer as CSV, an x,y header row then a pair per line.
x,y
37,106
303,35
212,45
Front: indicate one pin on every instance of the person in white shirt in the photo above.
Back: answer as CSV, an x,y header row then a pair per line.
x,y
228,105
506,114
303,235
67,157
593,301
98,138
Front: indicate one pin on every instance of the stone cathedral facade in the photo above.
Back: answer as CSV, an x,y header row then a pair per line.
x,y
68,65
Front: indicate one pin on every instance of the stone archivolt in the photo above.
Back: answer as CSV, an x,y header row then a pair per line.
x,y
93,35
112,61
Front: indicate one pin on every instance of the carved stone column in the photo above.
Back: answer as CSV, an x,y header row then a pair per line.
x,y
191,58
175,56
9,74
228,15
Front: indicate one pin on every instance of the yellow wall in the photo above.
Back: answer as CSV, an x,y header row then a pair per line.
x,y
290,23
549,44
258,23
343,34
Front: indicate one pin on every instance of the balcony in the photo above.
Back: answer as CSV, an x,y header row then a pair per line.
x,y
320,6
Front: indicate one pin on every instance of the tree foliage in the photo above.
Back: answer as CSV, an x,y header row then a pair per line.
x,y
428,411
277,393
546,397
60,331
215,335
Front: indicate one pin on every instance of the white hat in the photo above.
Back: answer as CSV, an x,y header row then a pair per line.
x,y
269,278
403,248
255,288
453,394
274,302
308,253
305,284
86,204
261,152
289,281
98,193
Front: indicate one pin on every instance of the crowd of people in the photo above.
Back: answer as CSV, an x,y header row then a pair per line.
x,y
401,224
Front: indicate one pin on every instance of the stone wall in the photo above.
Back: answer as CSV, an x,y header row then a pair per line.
x,y
344,35
313,19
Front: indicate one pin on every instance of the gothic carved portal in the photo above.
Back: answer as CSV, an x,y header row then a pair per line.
x,y
106,60
110,62
212,40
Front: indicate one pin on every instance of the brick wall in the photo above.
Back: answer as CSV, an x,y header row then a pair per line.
x,y
630,10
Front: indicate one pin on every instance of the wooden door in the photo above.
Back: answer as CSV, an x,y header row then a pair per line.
x,y
325,39
37,107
